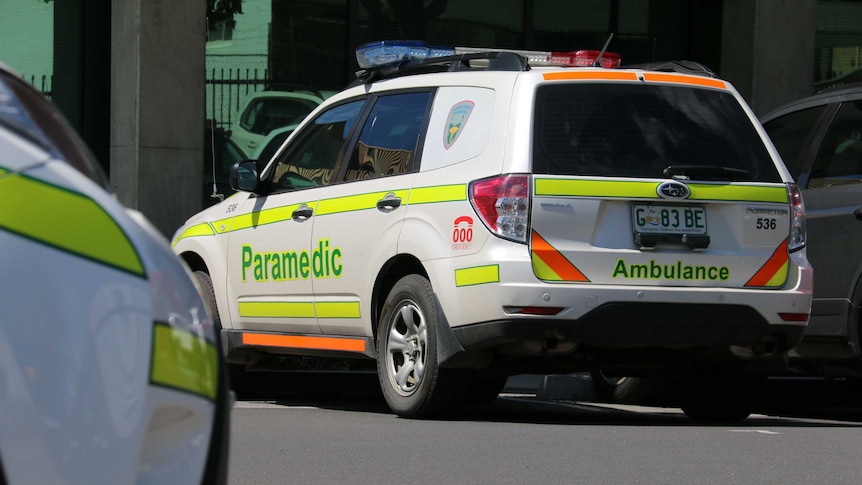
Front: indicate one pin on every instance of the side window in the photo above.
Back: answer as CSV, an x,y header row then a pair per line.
x,y
839,161
309,161
389,139
788,134
249,117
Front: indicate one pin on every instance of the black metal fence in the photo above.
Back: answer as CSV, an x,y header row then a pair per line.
x,y
226,88
43,83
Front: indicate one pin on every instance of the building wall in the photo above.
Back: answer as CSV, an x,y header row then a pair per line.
x,y
767,50
157,107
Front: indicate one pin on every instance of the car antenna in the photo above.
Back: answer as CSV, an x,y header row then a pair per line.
x,y
215,194
598,62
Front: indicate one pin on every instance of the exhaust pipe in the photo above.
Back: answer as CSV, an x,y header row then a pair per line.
x,y
764,349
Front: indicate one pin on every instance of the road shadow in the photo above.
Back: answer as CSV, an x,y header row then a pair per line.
x,y
784,402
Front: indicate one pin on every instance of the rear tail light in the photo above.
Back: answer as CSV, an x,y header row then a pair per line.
x,y
796,241
532,310
503,204
794,317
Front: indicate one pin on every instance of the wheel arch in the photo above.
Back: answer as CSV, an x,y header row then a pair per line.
x,y
393,270
396,268
196,262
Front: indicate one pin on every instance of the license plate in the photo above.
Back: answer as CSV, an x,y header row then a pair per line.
x,y
665,219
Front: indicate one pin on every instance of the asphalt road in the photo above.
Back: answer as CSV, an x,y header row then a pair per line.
x,y
326,428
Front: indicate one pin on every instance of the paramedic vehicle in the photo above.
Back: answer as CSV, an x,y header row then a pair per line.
x,y
463,215
110,370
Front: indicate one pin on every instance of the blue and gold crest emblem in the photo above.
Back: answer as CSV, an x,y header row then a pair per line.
x,y
455,122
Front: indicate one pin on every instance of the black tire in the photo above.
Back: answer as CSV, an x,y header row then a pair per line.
x,y
628,390
412,382
235,372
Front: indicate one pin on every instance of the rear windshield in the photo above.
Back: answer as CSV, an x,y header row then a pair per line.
x,y
650,131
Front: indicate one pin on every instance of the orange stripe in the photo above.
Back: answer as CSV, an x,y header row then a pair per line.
x,y
676,78
304,342
556,261
604,75
772,265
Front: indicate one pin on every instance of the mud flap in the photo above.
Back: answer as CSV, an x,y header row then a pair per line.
x,y
450,353
448,345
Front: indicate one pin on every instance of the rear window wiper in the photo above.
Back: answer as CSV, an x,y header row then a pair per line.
x,y
706,172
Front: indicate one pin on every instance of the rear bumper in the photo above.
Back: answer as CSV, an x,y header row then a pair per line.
x,y
639,325
609,314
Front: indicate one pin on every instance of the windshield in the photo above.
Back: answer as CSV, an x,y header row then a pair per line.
x,y
650,131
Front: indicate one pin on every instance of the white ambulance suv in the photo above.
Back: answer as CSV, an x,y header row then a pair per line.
x,y
110,365
463,215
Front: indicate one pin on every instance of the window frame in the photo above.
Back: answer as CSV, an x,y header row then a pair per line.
x,y
297,142
800,167
415,161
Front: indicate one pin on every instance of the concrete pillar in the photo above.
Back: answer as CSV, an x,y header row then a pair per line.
x,y
157,107
767,50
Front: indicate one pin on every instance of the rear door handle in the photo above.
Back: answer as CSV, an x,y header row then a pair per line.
x,y
389,203
858,214
302,214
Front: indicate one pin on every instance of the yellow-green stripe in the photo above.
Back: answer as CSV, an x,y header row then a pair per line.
x,y
261,218
276,309
741,193
477,275
336,205
438,193
281,309
648,190
337,309
355,202
595,188
66,220
184,361
204,229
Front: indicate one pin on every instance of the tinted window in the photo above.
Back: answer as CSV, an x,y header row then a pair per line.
x,y
839,161
311,158
636,130
388,141
788,134
271,147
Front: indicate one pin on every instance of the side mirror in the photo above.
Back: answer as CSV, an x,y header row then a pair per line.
x,y
243,176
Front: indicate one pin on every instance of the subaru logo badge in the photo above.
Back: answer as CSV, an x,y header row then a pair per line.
x,y
673,190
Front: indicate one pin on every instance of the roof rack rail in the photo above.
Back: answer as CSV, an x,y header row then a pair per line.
x,y
479,61
684,67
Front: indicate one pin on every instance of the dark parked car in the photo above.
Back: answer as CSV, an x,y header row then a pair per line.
x,y
820,140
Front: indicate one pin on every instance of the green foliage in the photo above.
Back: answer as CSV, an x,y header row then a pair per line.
x,y
222,11
223,8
